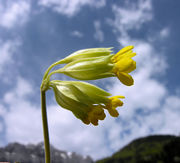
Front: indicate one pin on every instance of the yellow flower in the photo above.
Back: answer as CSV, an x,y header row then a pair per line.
x,y
86,101
124,64
97,65
113,103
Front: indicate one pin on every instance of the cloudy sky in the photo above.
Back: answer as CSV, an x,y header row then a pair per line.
x,y
34,34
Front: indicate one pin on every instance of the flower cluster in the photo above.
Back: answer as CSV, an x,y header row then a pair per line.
x,y
86,101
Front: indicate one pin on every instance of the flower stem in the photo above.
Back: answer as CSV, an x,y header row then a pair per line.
x,y
45,127
51,66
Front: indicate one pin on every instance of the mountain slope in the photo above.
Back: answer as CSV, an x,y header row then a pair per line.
x,y
151,149
35,154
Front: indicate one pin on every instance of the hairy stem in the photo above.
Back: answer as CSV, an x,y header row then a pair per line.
x,y
45,127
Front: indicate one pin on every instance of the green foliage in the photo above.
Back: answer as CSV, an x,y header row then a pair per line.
x,y
151,149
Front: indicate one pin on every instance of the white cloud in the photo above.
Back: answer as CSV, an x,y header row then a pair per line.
x,y
1,129
170,115
70,7
98,35
13,13
6,55
164,32
2,110
77,34
22,118
22,89
2,114
131,16
7,51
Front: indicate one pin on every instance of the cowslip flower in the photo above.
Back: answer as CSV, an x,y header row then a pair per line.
x,y
96,65
86,101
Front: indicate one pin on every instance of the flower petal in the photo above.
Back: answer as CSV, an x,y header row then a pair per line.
x,y
125,78
125,55
125,65
131,67
125,49
113,112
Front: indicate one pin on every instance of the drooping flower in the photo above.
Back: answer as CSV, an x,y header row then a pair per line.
x,y
95,66
86,101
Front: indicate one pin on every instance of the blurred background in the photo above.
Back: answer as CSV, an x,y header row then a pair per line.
x,y
34,34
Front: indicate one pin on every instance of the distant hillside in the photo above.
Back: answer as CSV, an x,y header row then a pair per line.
x,y
35,154
151,149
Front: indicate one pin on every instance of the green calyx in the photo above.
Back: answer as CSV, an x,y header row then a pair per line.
x,y
89,68
96,93
87,53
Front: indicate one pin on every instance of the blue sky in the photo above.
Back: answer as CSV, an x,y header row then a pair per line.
x,y
34,34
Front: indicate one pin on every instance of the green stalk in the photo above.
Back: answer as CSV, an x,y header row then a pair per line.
x,y
50,67
45,127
